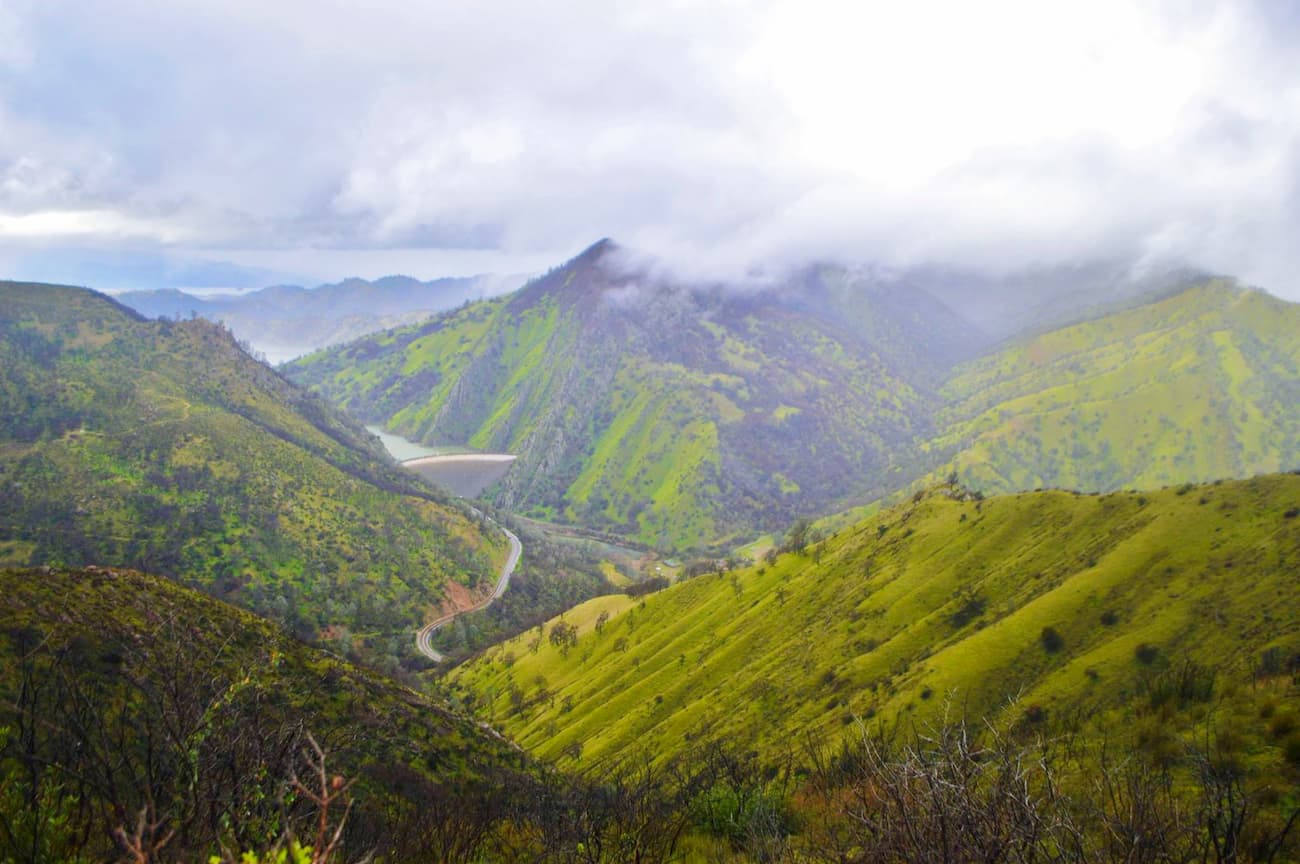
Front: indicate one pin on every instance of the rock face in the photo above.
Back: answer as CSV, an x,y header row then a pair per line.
x,y
683,415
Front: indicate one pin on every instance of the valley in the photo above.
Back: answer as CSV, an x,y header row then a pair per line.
x,y
757,432
751,542
695,418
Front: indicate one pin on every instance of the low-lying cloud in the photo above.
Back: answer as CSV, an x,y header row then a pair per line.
x,y
302,136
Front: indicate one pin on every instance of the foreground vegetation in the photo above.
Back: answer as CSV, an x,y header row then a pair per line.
x,y
142,721
164,446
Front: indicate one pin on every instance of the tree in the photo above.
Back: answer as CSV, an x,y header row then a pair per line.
x,y
797,537
564,636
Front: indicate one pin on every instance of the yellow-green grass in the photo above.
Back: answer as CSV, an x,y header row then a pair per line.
x,y
937,600
1195,387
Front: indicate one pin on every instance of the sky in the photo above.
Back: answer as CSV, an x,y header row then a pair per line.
x,y
228,143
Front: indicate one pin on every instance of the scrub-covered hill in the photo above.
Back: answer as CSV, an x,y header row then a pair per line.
x,y
679,415
162,445
129,702
1134,612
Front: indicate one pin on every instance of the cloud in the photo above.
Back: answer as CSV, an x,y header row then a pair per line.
x,y
721,135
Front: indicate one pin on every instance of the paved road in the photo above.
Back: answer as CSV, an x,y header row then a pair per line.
x,y
507,570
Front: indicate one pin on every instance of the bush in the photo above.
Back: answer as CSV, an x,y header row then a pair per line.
x,y
1052,641
1292,750
1146,654
1109,618
970,609
1188,682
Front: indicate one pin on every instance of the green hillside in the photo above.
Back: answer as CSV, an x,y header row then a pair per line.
x,y
1200,385
122,693
162,445
676,415
1138,614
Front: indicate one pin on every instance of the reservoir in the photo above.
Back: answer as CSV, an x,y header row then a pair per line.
x,y
464,474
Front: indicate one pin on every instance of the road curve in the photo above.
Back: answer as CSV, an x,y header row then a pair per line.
x,y
423,635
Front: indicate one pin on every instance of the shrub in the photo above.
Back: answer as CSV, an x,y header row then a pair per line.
x,y
972,608
1109,618
1146,654
1292,750
1188,682
1270,662
1283,724
1052,640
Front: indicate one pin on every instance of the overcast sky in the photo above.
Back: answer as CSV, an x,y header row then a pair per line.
x,y
237,143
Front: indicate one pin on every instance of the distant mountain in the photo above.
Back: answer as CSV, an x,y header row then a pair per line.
x,y
1142,620
679,414
285,321
1202,384
163,446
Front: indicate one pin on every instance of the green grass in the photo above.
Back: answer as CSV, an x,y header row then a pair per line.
x,y
1195,387
942,598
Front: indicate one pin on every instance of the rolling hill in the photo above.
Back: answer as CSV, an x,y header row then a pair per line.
x,y
163,446
1198,385
679,415
1122,615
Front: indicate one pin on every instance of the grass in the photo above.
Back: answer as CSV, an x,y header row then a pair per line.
x,y
1191,388
943,595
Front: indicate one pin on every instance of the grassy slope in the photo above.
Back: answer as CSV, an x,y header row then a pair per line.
x,y
1201,385
163,445
934,598
675,418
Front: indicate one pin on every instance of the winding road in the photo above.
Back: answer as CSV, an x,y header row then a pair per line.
x,y
423,635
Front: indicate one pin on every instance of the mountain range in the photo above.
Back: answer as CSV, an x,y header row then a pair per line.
x,y
284,321
697,416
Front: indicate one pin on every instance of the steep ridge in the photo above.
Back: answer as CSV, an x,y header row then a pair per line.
x,y
162,445
680,415
1199,385
1085,608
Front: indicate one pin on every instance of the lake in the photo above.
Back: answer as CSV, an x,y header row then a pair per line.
x,y
464,474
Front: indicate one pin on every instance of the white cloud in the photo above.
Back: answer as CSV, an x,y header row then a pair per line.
x,y
718,133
